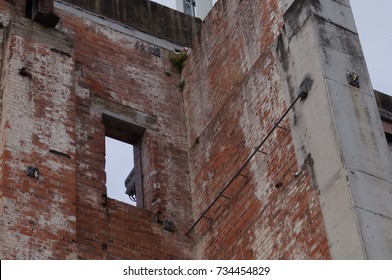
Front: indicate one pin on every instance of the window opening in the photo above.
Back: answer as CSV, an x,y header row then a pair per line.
x,y
119,168
123,159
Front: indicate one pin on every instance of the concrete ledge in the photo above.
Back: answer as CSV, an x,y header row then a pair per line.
x,y
146,16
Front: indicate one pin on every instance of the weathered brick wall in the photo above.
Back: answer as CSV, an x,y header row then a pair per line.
x,y
75,73
3,16
194,142
233,96
38,214
119,72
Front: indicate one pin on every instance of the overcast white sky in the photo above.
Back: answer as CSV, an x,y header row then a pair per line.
x,y
374,24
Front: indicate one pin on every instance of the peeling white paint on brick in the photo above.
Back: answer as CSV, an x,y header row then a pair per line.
x,y
4,17
82,92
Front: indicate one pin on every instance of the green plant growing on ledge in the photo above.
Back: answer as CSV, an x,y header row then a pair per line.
x,y
178,59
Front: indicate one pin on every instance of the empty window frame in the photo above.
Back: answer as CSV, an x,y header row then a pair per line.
x,y
119,164
123,162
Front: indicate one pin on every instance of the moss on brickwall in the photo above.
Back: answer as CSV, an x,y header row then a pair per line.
x,y
177,60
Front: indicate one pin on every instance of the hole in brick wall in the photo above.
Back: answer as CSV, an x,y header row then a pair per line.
x,y
123,161
119,166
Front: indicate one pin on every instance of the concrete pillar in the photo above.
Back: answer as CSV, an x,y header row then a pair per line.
x,y
202,7
337,130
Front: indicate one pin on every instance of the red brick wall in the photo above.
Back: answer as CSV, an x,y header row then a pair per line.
x,y
37,215
233,96
18,6
65,213
119,69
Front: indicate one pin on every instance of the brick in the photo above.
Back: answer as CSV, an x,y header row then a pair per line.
x,y
202,136
221,113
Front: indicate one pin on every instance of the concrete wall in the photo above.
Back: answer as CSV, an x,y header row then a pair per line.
x,y
339,127
142,15
146,16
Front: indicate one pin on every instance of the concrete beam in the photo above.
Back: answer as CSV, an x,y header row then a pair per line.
x,y
145,16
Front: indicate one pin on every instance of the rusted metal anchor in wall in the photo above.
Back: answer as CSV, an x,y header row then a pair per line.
x,y
302,95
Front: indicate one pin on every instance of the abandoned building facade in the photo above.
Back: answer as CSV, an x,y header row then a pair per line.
x,y
256,133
